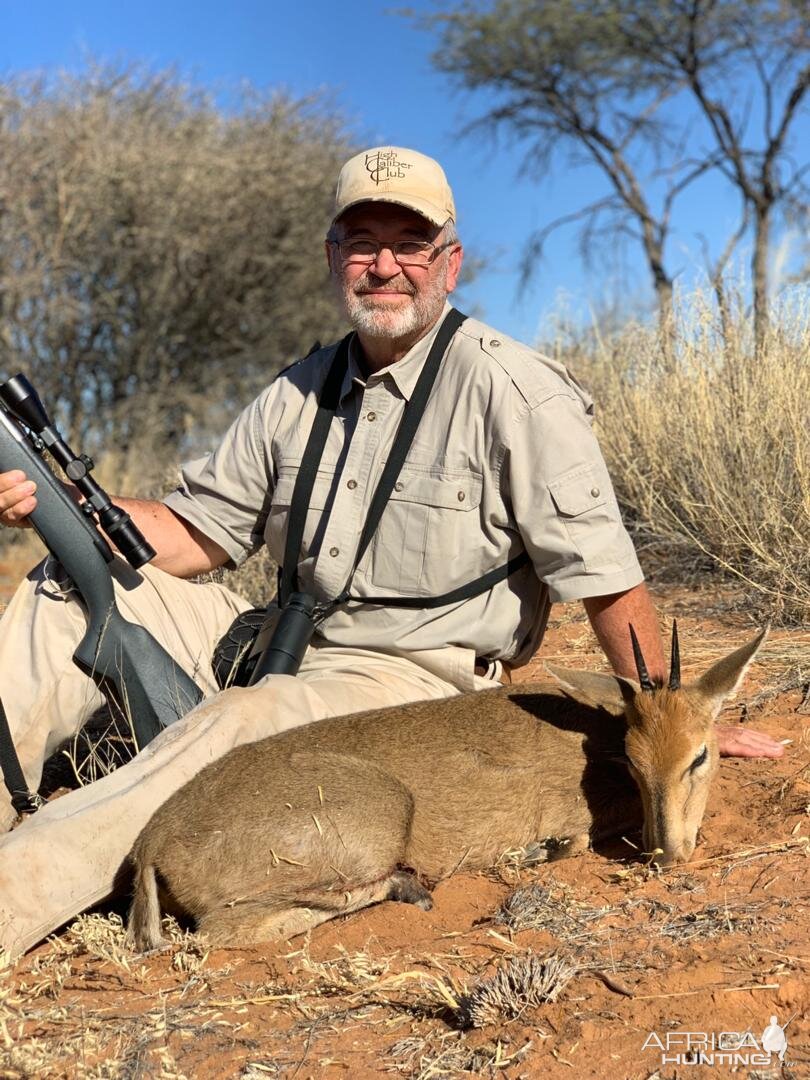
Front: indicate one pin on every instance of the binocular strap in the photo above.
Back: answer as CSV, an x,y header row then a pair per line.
x,y
23,800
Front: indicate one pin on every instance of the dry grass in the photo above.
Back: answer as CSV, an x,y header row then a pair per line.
x,y
128,1031
421,1006
255,579
448,1055
552,908
349,973
713,919
710,448
523,982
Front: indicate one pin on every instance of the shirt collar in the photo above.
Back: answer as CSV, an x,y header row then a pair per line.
x,y
404,372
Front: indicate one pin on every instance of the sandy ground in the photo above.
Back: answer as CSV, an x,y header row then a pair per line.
x,y
649,964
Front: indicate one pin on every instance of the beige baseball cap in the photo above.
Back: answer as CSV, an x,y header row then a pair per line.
x,y
395,175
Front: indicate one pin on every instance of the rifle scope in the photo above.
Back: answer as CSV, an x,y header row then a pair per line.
x,y
20,399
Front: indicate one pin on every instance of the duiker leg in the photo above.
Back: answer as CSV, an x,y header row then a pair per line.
x,y
251,922
321,834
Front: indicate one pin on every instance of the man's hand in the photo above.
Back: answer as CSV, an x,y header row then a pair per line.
x,y
736,741
16,499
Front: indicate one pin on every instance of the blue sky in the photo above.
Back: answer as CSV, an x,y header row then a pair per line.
x,y
375,64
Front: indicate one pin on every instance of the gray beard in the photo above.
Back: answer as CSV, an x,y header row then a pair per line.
x,y
373,321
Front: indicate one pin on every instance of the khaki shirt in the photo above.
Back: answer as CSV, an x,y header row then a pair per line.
x,y
504,459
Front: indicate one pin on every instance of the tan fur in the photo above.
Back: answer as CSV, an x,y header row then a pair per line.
x,y
282,834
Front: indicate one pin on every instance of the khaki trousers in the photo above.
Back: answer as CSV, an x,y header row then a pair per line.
x,y
67,856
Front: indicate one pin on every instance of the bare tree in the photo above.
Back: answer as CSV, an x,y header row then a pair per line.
x,y
159,258
598,79
561,80
746,64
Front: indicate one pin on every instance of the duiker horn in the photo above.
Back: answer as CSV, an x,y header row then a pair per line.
x,y
675,660
644,680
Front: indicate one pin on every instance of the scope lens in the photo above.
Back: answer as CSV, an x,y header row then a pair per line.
x,y
130,541
139,555
22,401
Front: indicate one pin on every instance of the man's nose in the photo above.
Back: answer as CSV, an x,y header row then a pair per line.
x,y
385,265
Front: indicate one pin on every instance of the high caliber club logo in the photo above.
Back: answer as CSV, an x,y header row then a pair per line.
x,y
385,165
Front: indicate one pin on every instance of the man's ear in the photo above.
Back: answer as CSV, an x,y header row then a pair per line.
x,y
329,249
608,692
454,260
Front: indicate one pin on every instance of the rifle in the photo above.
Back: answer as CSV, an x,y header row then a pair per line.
x,y
123,659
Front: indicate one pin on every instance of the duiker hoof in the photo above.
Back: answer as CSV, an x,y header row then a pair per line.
x,y
407,889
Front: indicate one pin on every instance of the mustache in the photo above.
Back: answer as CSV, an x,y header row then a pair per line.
x,y
370,281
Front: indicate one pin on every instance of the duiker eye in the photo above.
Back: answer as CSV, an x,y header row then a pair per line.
x,y
700,759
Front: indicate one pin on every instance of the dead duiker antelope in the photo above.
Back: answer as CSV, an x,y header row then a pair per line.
x,y
280,835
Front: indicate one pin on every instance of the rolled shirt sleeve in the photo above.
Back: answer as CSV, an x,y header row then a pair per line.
x,y
226,494
564,504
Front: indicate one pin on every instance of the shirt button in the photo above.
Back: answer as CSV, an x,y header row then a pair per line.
x,y
334,552
595,492
371,416
495,344
461,496
398,486
351,484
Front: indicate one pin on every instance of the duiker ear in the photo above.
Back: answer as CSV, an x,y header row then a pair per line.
x,y
723,678
608,692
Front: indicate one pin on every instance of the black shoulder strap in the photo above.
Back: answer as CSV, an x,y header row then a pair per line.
x,y
305,480
411,416
23,800
327,405
463,592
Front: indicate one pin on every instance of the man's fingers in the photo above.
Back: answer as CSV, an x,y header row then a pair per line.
x,y
743,742
18,516
12,478
10,496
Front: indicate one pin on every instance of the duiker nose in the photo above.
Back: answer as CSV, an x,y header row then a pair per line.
x,y
671,853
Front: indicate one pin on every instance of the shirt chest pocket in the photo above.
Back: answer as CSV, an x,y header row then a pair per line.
x,y
320,503
425,543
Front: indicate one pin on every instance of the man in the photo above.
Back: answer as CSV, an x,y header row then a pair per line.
x,y
503,462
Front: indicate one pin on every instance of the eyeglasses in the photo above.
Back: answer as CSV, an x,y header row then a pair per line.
x,y
405,252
